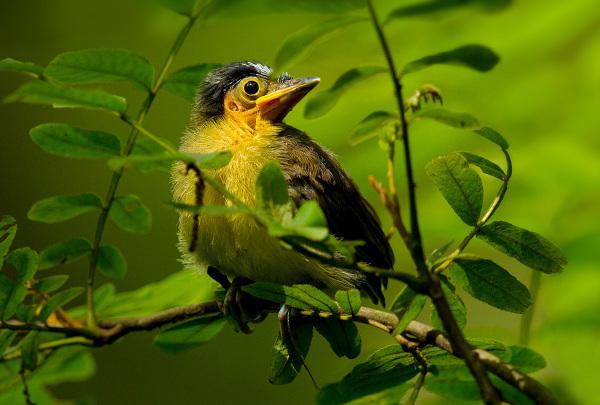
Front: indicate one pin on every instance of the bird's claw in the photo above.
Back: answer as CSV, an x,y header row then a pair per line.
x,y
240,307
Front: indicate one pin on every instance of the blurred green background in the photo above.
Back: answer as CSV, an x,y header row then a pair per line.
x,y
543,96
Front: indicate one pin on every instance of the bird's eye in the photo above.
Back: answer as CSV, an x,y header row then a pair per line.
x,y
251,87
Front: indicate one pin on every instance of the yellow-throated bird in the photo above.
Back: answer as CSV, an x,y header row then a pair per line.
x,y
240,108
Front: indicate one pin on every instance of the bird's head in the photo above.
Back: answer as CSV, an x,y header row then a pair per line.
x,y
248,93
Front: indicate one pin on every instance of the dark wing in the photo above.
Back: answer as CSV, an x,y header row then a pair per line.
x,y
313,173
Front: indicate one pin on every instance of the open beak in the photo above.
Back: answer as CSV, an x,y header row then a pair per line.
x,y
276,105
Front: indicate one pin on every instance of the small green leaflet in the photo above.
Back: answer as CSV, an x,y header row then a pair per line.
x,y
457,307
371,126
476,57
24,261
100,66
486,281
212,210
486,166
324,101
111,262
51,283
530,248
287,356
61,208
331,395
492,136
67,97
438,253
13,65
451,118
58,300
423,8
29,350
309,222
525,359
272,191
460,185
301,296
343,336
407,306
185,82
130,214
349,301
189,334
298,44
8,230
67,141
64,252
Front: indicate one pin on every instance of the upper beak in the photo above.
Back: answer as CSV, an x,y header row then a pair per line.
x,y
276,105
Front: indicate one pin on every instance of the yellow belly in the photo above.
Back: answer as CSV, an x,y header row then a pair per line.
x,y
235,244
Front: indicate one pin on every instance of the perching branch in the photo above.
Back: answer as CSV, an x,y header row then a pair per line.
x,y
110,331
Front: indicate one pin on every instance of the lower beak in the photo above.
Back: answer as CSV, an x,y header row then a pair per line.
x,y
276,105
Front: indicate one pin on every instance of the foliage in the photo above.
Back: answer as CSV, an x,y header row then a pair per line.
x,y
33,308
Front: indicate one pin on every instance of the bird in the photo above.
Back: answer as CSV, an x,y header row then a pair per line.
x,y
240,107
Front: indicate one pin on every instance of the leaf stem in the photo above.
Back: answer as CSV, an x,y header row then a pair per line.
x,y
527,318
116,177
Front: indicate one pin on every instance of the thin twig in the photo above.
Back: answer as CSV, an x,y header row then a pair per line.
x,y
527,318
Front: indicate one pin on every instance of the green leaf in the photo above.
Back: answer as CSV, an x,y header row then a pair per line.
x,y
65,140
371,126
430,7
12,65
100,66
6,338
183,7
492,136
486,281
297,44
148,158
387,367
486,166
457,307
111,262
301,296
272,191
407,306
130,214
309,222
460,185
51,283
343,336
324,101
29,350
58,300
288,355
331,395
530,248
61,208
189,334
8,230
476,57
211,210
525,359
447,117
438,253
185,82
25,262
239,8
64,252
349,301
67,97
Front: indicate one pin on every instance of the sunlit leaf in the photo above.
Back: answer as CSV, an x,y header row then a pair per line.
x,y
460,185
530,248
490,283
58,300
324,101
189,334
25,262
309,222
65,140
297,44
29,350
371,126
111,262
239,8
61,208
343,336
526,359
212,210
12,65
486,166
349,300
427,7
493,136
287,355
477,57
99,66
457,307
8,230
407,306
130,214
438,253
51,283
185,82
64,252
67,97
447,117
272,191
301,296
